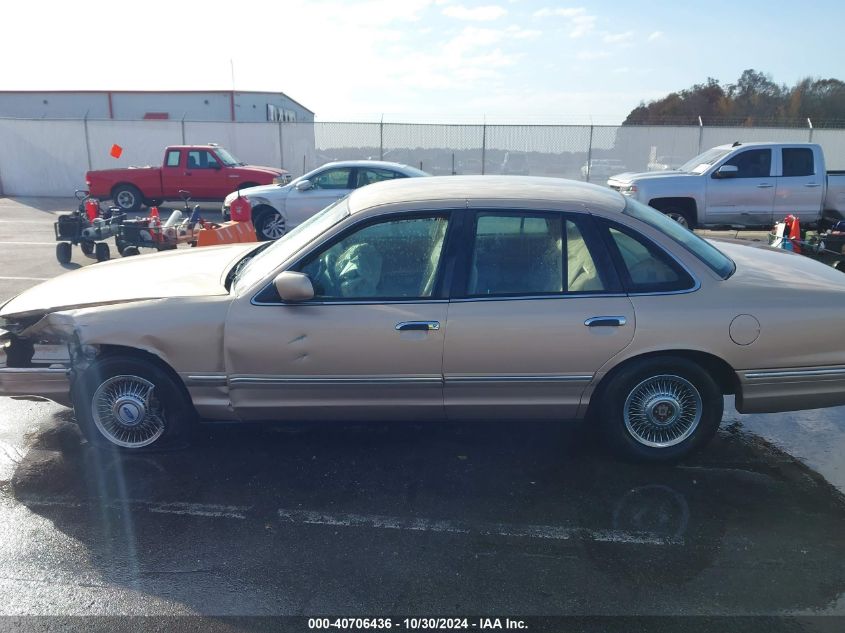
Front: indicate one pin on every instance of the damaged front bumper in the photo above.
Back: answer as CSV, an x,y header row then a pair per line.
x,y
46,374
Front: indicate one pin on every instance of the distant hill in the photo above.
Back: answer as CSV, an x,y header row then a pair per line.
x,y
753,100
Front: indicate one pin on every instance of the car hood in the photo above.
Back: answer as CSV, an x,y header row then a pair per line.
x,y
270,171
262,191
178,273
630,176
776,270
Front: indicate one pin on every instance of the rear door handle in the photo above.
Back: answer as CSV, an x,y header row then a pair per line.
x,y
813,184
606,321
764,185
424,326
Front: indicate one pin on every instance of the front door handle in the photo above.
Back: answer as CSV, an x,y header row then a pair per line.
x,y
764,185
606,321
424,326
813,184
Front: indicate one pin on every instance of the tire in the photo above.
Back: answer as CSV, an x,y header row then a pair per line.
x,y
269,224
127,198
247,185
636,402
87,248
681,216
128,403
101,252
130,251
153,202
64,252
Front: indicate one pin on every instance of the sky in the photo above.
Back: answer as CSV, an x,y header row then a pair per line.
x,y
500,61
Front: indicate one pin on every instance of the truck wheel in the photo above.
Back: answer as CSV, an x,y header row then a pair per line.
x,y
87,248
247,185
153,202
681,216
660,409
127,197
130,403
101,251
269,225
64,252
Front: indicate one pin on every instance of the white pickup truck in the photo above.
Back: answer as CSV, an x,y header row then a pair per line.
x,y
743,185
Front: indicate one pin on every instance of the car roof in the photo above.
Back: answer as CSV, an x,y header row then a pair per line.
x,y
365,163
486,188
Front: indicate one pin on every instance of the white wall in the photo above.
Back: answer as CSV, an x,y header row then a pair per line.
x,y
50,158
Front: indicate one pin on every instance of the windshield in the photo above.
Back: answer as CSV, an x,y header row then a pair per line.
x,y
228,159
703,250
702,162
261,264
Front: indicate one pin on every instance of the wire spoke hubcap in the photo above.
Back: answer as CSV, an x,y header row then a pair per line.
x,y
127,412
662,411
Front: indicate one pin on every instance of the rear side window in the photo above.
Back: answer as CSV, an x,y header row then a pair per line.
x,y
643,266
520,254
173,158
798,161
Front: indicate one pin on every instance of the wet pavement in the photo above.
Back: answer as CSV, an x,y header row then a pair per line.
x,y
445,519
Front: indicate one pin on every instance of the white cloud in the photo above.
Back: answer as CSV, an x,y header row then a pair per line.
x,y
592,55
618,38
477,14
580,21
522,34
656,35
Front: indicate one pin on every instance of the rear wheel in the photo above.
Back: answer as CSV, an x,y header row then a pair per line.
x,y
130,403
247,185
681,216
269,224
129,251
660,409
127,197
87,248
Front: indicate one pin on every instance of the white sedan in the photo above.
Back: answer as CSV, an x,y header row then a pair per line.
x,y
278,208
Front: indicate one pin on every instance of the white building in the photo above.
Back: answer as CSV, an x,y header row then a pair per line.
x,y
188,105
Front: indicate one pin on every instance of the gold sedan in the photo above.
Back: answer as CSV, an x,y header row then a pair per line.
x,y
440,298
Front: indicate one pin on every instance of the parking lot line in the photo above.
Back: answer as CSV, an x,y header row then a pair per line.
x,y
53,243
24,278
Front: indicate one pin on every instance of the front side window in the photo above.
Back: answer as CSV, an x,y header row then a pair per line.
x,y
331,179
201,159
755,163
797,161
522,254
394,259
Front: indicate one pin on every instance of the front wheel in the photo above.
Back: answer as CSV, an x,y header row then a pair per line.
x,y
64,252
660,409
269,225
130,403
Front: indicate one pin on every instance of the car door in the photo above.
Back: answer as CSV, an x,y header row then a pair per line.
x,y
203,173
370,343
325,187
800,185
747,197
537,310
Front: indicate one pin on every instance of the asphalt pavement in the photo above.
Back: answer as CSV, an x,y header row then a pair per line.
x,y
407,519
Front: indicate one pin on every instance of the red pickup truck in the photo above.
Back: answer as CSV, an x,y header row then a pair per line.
x,y
209,172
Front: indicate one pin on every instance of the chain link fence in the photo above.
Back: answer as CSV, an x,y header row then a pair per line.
x,y
50,157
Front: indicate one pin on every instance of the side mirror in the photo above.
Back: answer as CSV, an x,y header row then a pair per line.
x,y
293,286
726,171
303,185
